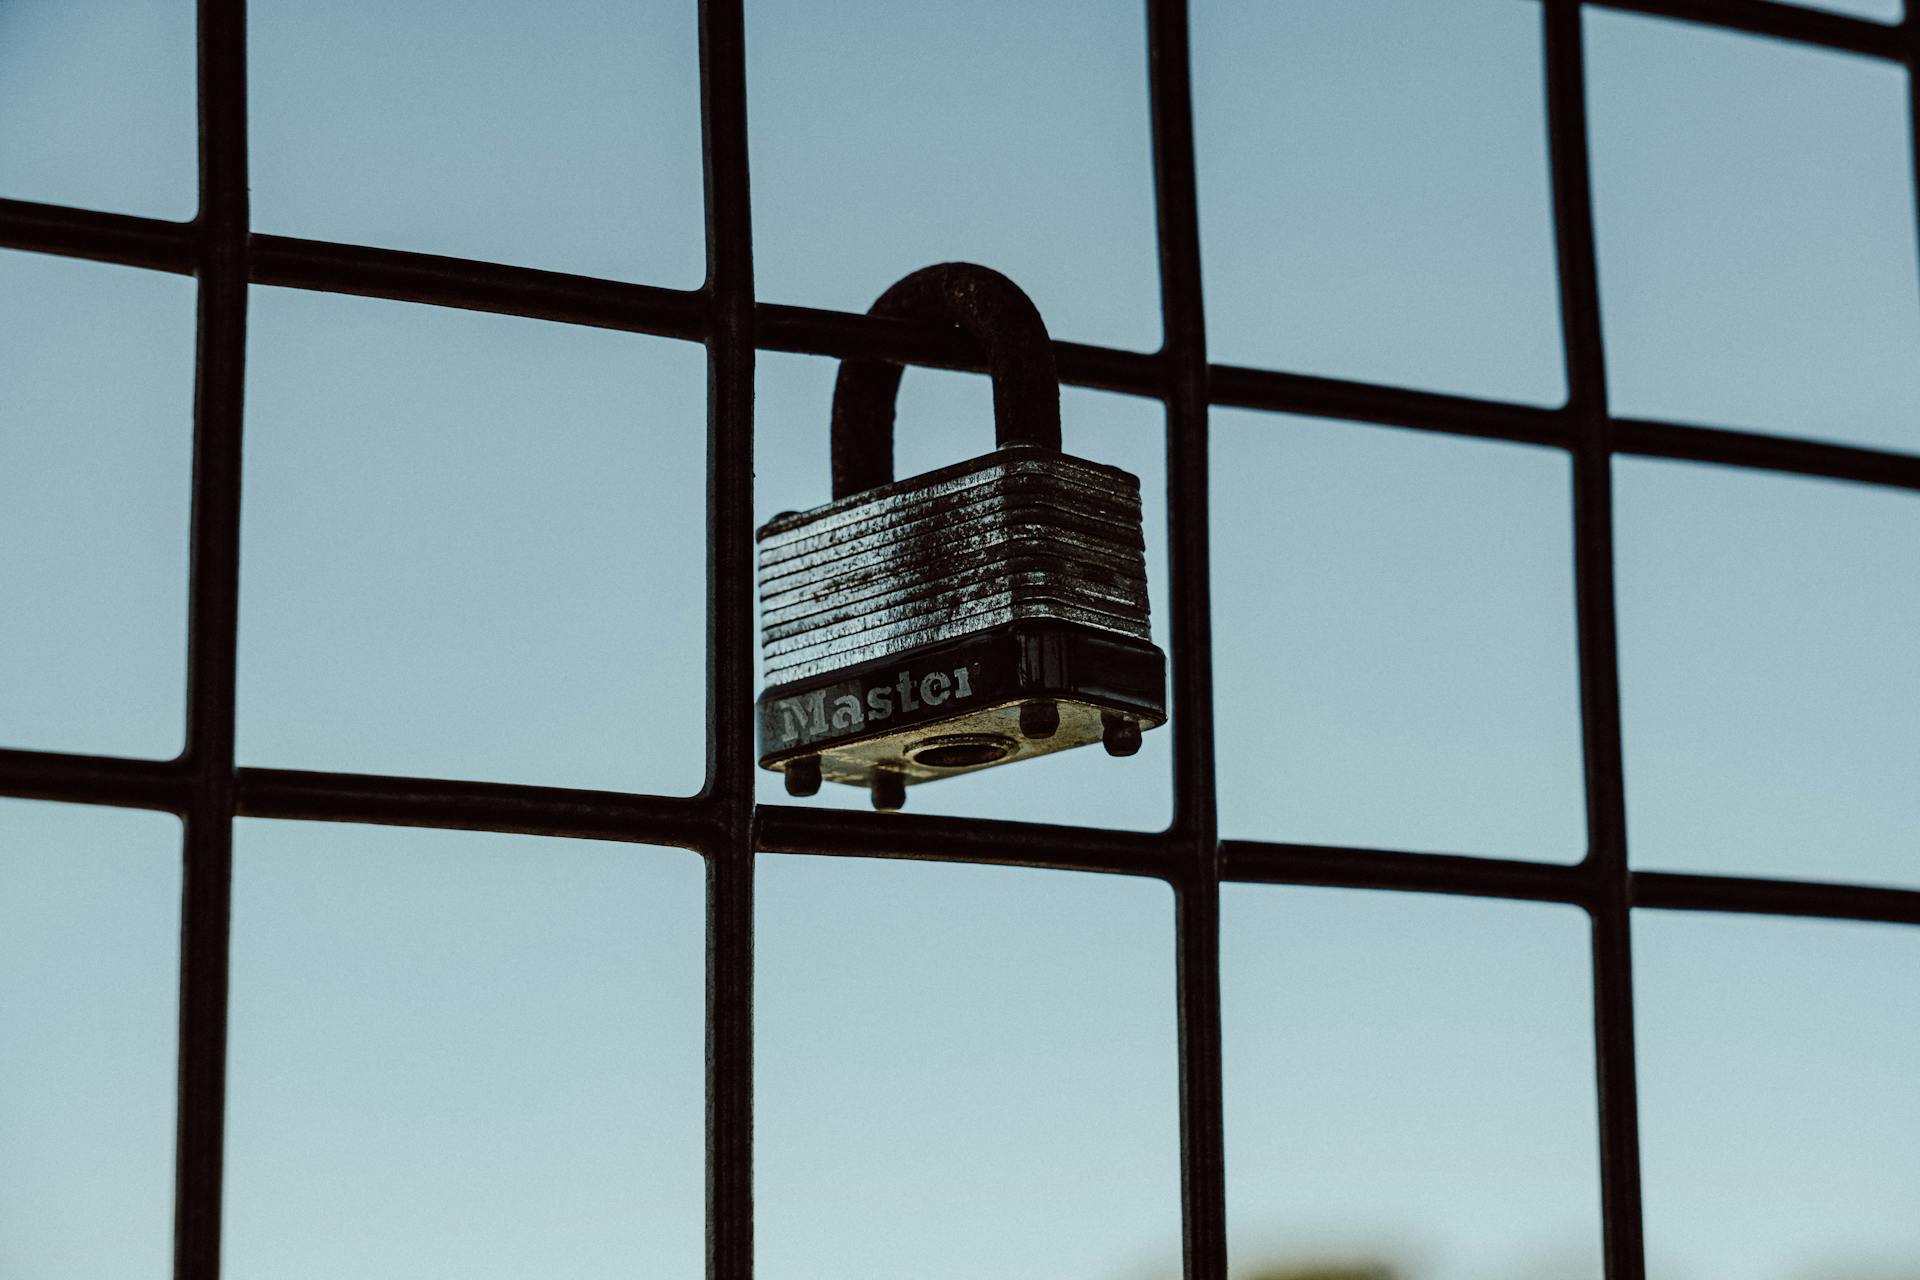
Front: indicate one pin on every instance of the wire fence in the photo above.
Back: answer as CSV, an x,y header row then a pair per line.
x,y
204,787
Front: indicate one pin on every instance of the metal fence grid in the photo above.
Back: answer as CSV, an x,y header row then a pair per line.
x,y
723,823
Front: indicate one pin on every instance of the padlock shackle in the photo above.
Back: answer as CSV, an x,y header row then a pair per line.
x,y
1008,327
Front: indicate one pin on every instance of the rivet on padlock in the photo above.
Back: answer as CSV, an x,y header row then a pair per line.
x,y
976,615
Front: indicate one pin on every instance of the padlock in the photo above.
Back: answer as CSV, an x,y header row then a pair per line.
x,y
977,615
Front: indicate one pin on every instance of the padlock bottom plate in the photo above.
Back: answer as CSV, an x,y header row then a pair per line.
x,y
855,764
881,714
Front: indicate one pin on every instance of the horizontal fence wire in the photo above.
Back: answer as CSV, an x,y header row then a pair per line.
x,y
694,823
723,824
684,314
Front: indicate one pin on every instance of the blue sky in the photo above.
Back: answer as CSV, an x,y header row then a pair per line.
x,y
472,548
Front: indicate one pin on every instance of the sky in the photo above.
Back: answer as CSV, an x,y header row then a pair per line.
x,y
472,548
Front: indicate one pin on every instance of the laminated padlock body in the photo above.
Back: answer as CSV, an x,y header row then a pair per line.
x,y
981,614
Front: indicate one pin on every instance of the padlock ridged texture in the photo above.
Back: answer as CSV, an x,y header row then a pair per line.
x,y
1020,534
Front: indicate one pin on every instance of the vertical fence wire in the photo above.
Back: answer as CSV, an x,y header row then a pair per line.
x,y
1196,878
1606,861
213,612
730,653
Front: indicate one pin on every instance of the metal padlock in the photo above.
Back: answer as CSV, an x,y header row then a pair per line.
x,y
980,614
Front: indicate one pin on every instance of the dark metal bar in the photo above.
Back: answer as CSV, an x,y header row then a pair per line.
x,y
1564,60
473,806
1391,406
1272,863
567,299
1203,1164
199,1156
1766,18
102,237
730,641
730,1064
1672,890
1755,451
220,365
213,611
793,829
1622,1218
687,823
479,286
74,779
1197,875
1186,375
1606,861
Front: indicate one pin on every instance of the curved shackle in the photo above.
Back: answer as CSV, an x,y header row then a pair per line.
x,y
1008,327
